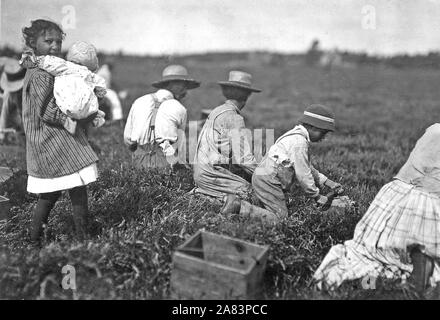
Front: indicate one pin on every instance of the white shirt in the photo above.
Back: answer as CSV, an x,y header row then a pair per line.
x,y
422,169
292,150
170,119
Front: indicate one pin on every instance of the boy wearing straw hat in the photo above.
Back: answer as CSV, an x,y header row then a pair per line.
x,y
286,160
155,120
11,83
219,151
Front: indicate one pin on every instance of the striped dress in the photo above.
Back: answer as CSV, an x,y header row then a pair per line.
x,y
56,160
404,214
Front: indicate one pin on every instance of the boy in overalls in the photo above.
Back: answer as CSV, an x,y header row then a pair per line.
x,y
286,160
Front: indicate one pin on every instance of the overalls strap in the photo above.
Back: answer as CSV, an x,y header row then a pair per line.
x,y
152,124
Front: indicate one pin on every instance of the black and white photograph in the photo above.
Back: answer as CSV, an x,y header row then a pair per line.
x,y
242,152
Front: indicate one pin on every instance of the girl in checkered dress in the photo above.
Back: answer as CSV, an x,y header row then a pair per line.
x,y
399,235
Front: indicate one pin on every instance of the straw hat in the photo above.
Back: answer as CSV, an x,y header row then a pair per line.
x,y
319,116
12,77
85,54
239,79
176,72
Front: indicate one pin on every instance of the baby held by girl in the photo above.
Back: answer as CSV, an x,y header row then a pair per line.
x,y
77,87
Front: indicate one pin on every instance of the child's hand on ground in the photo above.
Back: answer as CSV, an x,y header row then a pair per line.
x,y
322,202
335,186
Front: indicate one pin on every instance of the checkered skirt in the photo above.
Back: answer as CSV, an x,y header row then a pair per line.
x,y
401,216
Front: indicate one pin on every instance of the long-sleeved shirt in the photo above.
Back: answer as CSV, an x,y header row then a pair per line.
x,y
74,87
422,168
50,150
227,142
170,119
292,150
223,147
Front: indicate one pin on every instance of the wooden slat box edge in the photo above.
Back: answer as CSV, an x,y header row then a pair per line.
x,y
206,276
242,277
4,208
264,248
186,276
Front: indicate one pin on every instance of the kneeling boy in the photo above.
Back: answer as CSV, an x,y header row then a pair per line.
x,y
286,160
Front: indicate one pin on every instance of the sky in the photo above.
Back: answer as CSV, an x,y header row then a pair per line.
x,y
158,27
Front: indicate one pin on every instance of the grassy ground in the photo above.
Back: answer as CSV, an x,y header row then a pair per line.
x,y
140,217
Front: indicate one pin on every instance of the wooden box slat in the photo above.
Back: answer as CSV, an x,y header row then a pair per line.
x,y
5,174
231,252
212,266
4,208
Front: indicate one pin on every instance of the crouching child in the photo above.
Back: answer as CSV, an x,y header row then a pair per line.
x,y
288,159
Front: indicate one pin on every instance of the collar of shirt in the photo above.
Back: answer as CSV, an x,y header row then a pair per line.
x,y
304,130
163,94
231,102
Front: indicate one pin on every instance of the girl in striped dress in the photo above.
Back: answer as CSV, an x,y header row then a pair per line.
x,y
399,235
56,160
76,86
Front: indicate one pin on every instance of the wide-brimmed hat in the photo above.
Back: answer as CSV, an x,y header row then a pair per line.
x,y
83,53
319,116
239,79
176,73
12,77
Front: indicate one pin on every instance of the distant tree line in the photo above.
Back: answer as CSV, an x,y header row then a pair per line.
x,y
430,60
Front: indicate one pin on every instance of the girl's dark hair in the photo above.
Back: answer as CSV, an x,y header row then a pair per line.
x,y
37,28
235,93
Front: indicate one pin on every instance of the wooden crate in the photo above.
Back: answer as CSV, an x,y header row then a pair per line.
x,y
212,266
5,174
4,208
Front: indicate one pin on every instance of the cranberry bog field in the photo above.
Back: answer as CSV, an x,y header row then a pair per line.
x,y
140,217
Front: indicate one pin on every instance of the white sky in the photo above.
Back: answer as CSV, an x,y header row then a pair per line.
x,y
193,26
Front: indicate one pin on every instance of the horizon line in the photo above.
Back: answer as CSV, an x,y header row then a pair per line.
x,y
241,51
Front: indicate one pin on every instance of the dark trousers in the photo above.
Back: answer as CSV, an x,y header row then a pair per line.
x,y
46,201
149,156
